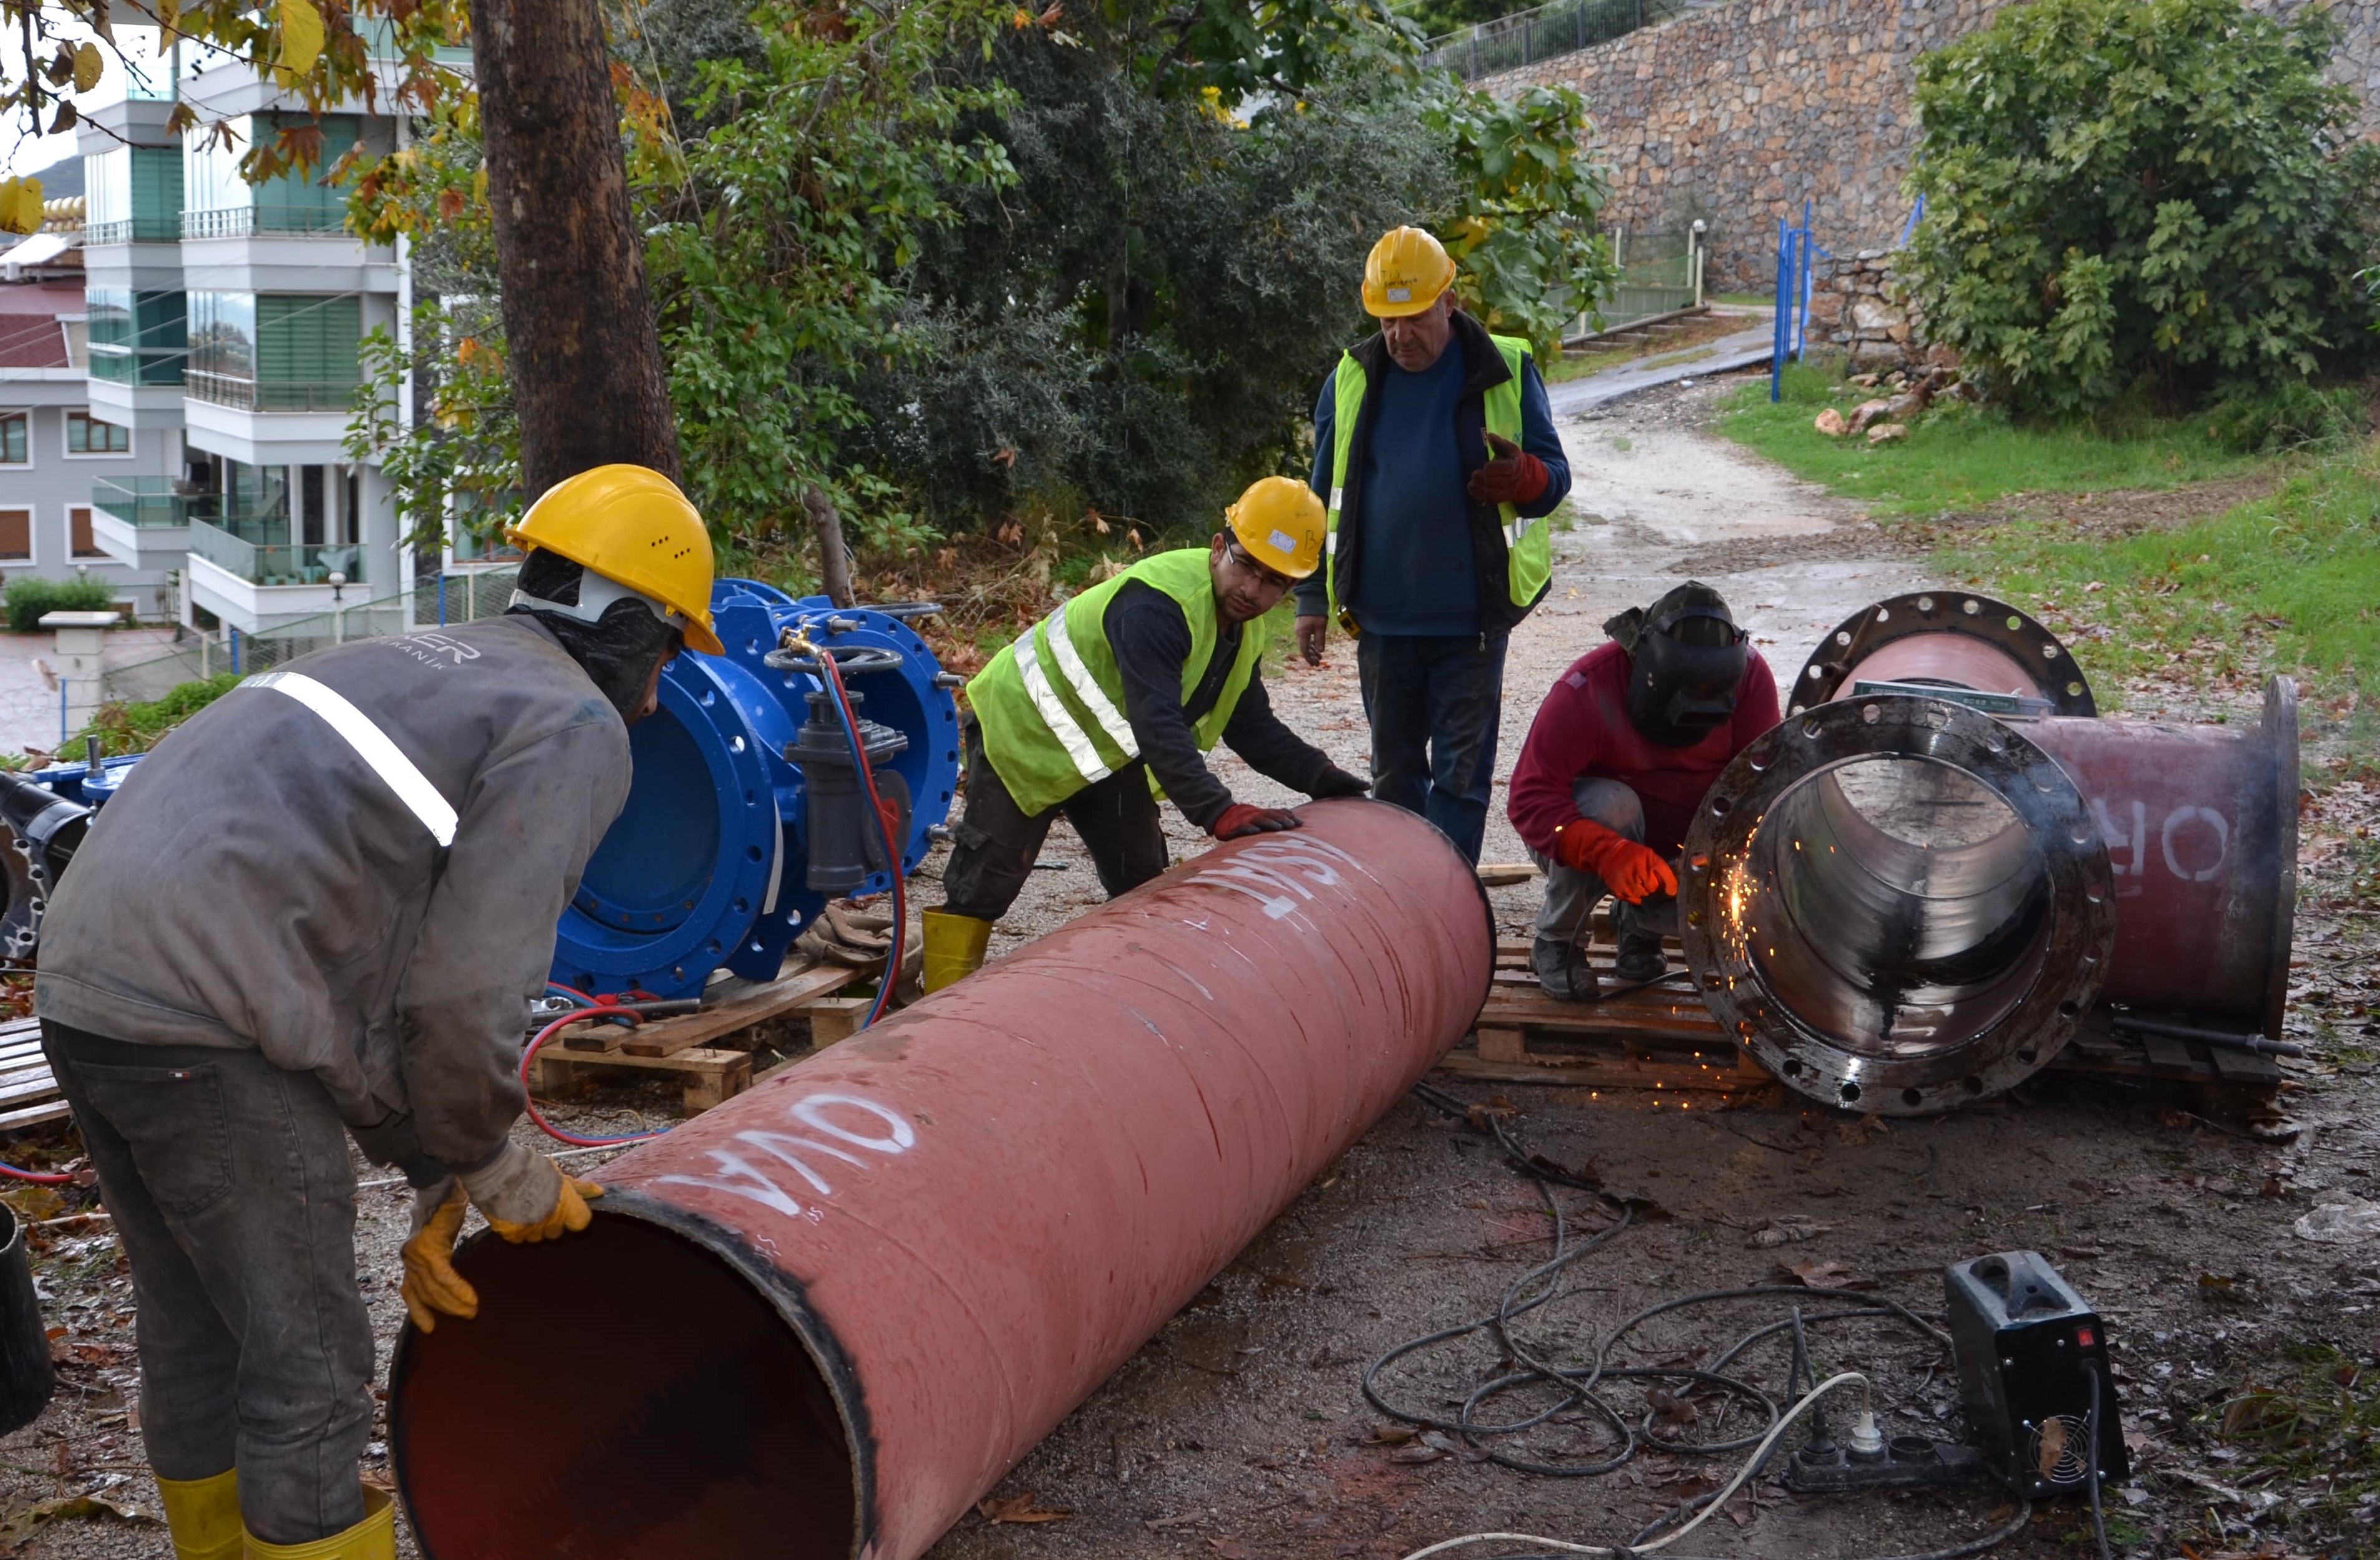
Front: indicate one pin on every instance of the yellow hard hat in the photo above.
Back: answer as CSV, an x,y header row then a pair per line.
x,y
1404,273
632,526
1279,523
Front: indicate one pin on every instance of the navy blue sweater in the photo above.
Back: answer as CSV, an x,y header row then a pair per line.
x,y
1416,572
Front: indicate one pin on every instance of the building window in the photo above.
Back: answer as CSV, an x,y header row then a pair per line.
x,y
16,536
15,438
79,538
86,435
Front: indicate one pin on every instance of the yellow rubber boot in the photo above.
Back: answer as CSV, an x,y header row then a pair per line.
x,y
374,1538
203,1515
955,947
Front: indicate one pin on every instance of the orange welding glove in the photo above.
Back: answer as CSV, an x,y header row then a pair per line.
x,y
1515,476
1628,869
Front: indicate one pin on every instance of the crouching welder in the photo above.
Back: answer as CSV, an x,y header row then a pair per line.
x,y
1116,695
322,908
1621,752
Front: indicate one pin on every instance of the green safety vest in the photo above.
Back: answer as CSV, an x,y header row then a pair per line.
x,y
1051,702
1529,546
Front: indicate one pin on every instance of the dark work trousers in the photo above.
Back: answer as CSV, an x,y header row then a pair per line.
x,y
232,1192
1434,702
997,841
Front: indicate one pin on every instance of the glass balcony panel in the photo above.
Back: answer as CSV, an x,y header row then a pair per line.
x,y
151,503
251,550
266,395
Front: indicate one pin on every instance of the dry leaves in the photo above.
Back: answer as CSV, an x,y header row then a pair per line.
x,y
1017,1508
1784,1232
1823,1275
21,1524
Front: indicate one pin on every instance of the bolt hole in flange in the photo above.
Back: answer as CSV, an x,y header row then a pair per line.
x,y
1961,641
1898,906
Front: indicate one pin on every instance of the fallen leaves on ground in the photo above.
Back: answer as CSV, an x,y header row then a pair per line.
x,y
1017,1508
1823,1275
1784,1232
21,1524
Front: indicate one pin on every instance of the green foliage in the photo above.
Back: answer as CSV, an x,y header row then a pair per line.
x,y
30,597
2294,416
1522,229
1962,457
2281,583
2127,190
137,727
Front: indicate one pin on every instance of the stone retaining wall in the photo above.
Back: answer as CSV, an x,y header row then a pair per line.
x,y
1739,113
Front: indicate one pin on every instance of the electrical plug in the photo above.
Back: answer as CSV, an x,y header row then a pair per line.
x,y
1866,1442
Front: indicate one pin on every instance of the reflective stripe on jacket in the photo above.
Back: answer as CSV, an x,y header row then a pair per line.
x,y
1051,702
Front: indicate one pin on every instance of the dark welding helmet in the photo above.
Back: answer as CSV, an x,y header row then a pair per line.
x,y
1686,661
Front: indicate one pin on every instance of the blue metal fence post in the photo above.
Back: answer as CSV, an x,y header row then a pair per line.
x,y
1781,325
441,598
1801,347
235,648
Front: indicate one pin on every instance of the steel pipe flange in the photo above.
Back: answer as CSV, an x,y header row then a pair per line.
x,y
1944,637
1897,904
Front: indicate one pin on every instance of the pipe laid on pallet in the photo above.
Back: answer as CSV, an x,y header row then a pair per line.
x,y
822,1319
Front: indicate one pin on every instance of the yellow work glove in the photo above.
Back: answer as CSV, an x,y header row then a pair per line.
x,y
432,1289
526,1197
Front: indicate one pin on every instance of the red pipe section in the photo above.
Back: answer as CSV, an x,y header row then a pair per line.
x,y
2201,828
822,1319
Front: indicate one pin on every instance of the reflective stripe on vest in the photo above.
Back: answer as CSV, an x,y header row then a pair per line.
x,y
1085,687
1500,411
1053,711
371,745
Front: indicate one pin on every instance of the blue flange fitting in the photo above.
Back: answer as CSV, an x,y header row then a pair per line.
x,y
707,866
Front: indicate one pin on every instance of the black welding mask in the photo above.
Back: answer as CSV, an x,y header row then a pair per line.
x,y
1686,661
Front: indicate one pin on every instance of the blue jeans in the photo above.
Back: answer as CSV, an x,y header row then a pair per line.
x,y
1434,702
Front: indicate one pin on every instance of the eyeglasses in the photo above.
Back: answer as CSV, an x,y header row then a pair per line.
x,y
1269,577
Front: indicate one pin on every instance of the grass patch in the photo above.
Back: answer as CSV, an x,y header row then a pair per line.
x,y
1960,456
137,727
2289,583
2317,1428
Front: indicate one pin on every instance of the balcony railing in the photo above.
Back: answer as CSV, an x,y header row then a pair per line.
x,y
120,366
1525,37
151,503
273,563
265,395
242,222
132,230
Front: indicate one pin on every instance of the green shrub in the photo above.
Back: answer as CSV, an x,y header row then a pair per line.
x,y
2129,190
30,596
136,728
2295,416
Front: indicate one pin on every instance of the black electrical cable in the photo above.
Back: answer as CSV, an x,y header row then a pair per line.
x,y
2091,1467
1576,1385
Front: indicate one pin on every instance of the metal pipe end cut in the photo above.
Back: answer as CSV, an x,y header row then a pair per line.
x,y
1897,904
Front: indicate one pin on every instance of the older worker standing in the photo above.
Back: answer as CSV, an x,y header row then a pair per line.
x,y
1435,451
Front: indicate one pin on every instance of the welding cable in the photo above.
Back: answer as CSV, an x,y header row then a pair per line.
x,y
38,1177
1561,1548
2091,1465
891,976
528,1056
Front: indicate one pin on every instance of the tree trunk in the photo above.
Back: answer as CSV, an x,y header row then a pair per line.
x,y
585,357
835,564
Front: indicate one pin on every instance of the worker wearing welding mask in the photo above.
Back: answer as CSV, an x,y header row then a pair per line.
x,y
1110,700
1621,752
319,910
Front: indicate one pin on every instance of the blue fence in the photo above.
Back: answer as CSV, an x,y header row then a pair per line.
x,y
1798,251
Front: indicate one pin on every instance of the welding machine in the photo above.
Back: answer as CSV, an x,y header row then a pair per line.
x,y
2029,1350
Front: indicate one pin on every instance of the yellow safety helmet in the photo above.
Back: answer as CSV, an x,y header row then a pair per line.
x,y
632,526
1404,273
1279,523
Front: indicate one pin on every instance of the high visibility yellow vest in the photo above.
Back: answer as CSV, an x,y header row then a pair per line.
x,y
1051,702
1529,546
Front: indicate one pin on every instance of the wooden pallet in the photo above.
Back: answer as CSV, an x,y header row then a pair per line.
x,y
684,1045
29,1096
1662,1037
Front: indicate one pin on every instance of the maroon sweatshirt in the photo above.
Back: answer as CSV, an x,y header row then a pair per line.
x,y
1582,729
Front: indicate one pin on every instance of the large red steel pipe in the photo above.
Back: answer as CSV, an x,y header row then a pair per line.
x,y
822,1319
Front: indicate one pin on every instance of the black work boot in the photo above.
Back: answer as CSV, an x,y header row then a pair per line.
x,y
1562,971
1636,927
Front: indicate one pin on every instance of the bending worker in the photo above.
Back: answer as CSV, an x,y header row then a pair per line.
x,y
1436,447
321,909
1621,753
1117,693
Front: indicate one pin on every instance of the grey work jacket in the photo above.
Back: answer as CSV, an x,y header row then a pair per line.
x,y
258,882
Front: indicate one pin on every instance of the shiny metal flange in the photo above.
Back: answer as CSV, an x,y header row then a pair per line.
x,y
1949,636
1897,905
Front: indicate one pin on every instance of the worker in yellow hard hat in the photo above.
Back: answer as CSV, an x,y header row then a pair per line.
x,y
1434,448
318,910
1116,695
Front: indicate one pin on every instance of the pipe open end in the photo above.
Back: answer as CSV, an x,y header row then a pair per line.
x,y
1897,904
667,1408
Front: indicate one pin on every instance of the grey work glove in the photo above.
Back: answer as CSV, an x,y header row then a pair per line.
x,y
526,1197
